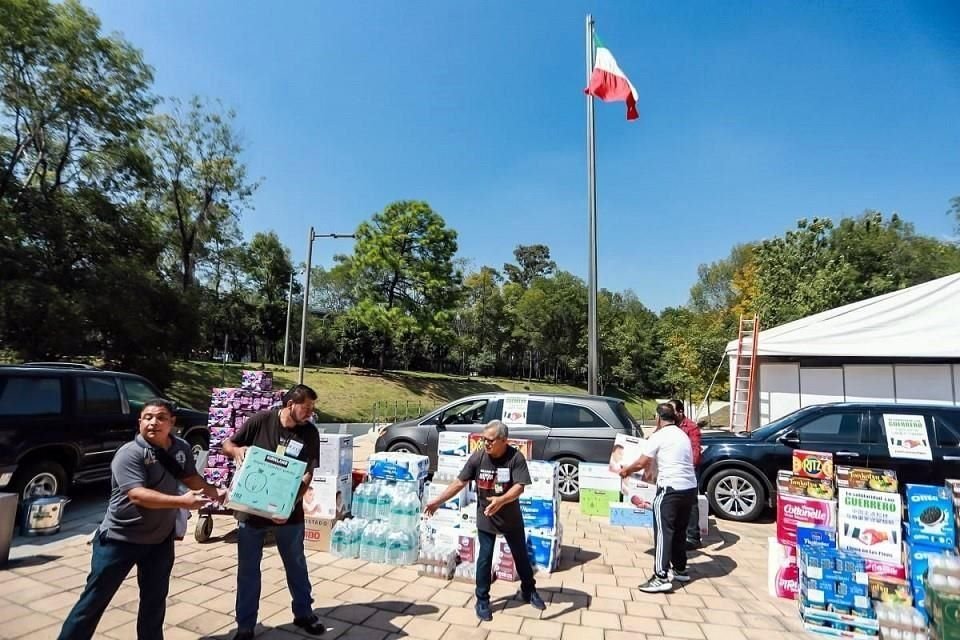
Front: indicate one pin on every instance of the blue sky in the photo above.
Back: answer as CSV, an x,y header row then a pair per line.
x,y
753,115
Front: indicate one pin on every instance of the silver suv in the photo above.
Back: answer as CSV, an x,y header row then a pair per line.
x,y
568,429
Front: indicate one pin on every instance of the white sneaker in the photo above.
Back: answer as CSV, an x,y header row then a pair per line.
x,y
679,576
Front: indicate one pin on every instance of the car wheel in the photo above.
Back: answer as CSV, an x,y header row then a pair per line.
x,y
736,495
39,479
404,447
569,478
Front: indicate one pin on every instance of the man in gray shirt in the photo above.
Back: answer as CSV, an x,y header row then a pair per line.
x,y
138,529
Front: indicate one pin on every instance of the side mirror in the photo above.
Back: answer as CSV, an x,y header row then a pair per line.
x,y
790,439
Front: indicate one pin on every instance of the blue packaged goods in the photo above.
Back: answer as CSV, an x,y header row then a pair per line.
x,y
814,537
543,548
266,484
389,465
538,513
918,560
626,515
930,519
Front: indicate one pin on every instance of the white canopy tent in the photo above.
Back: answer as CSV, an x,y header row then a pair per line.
x,y
902,346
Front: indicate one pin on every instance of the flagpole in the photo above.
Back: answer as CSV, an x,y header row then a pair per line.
x,y
592,341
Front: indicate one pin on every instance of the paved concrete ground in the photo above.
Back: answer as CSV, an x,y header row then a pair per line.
x,y
593,596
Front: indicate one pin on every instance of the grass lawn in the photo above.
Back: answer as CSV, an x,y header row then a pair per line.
x,y
351,396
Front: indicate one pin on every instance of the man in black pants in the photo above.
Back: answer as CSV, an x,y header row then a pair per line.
x,y
670,448
500,472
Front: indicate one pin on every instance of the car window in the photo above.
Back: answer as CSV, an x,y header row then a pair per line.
x,y
948,431
138,393
621,411
470,412
100,396
834,427
571,416
876,432
29,396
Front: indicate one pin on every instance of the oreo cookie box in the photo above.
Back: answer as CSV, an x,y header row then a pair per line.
x,y
930,518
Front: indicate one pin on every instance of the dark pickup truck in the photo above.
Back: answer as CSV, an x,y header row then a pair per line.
x,y
62,423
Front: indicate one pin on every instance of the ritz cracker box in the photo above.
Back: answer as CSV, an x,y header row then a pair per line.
x,y
813,464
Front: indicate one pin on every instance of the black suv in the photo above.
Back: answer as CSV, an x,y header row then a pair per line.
x,y
738,473
61,424
567,429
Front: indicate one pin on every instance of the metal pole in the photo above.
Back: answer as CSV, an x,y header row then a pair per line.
x,y
286,336
306,305
592,342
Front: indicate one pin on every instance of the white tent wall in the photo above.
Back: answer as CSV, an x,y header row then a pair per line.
x,y
784,387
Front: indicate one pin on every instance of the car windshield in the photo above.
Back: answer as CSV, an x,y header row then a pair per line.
x,y
768,430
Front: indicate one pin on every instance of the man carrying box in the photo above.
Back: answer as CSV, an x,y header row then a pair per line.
x,y
669,448
500,472
287,432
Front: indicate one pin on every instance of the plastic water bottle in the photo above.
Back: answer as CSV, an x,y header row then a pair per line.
x,y
337,538
380,544
395,547
353,542
367,542
383,504
356,505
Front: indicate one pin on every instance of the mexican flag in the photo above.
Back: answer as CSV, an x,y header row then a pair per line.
x,y
608,82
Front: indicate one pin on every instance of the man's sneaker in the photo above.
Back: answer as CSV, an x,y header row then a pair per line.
x,y
534,600
311,625
656,585
680,576
483,611
693,545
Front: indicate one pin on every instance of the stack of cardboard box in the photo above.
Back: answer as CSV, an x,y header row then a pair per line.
x,y
229,410
331,491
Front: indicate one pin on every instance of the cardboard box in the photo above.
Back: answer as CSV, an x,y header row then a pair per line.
x,y
869,479
599,477
266,484
943,605
524,446
930,516
388,465
256,380
450,466
545,479
790,484
814,537
813,464
795,511
594,502
890,590
703,510
336,454
316,533
453,443
543,547
539,513
467,548
638,493
870,524
625,515
783,577
329,497
626,450
917,560
457,503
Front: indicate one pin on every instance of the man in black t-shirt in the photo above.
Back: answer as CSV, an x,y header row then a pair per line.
x,y
286,432
500,472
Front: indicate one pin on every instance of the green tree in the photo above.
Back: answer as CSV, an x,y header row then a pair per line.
x,y
73,100
403,267
199,182
268,266
533,261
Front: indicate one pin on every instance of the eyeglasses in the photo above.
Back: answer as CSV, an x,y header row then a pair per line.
x,y
488,442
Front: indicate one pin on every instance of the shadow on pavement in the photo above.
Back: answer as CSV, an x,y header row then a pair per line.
x,y
558,602
30,561
339,619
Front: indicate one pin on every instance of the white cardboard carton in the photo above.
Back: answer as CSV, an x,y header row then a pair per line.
x,y
336,454
328,497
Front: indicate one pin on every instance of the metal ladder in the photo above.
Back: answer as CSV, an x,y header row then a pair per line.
x,y
744,376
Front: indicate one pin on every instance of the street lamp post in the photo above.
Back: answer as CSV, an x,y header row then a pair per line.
x,y
306,293
286,335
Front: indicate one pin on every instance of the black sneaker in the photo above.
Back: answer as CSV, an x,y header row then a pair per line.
x,y
656,585
483,610
680,576
693,545
534,600
311,625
